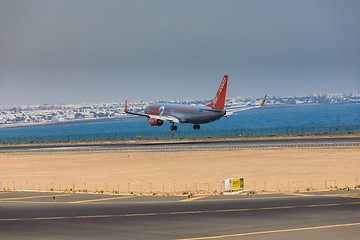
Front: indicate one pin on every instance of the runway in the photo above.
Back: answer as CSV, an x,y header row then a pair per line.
x,y
310,215
193,144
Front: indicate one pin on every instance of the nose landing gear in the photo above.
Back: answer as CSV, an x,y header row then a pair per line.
x,y
196,127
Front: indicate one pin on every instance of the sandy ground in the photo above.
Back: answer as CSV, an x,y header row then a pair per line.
x,y
196,171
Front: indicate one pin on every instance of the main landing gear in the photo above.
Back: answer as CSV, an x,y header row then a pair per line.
x,y
173,127
196,127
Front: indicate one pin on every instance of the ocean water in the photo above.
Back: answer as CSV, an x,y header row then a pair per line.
x,y
263,121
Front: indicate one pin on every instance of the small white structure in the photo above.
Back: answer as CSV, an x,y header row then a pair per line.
x,y
233,184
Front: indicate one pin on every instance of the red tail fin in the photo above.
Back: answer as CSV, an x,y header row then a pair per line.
x,y
263,102
125,108
219,99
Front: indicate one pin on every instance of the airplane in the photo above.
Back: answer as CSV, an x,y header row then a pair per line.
x,y
159,113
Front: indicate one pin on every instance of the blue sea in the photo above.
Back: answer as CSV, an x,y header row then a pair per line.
x,y
269,120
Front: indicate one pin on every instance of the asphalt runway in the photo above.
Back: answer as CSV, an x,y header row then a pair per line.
x,y
310,215
132,145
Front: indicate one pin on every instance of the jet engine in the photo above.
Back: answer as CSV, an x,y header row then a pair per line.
x,y
155,122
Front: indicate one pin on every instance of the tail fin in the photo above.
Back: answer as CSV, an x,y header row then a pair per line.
x,y
219,99
263,102
125,108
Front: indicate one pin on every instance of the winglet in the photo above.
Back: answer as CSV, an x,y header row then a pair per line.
x,y
263,102
125,108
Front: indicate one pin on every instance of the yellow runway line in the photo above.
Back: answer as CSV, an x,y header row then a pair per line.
x,y
49,202
301,194
133,202
101,199
192,198
275,231
354,195
178,213
42,196
345,195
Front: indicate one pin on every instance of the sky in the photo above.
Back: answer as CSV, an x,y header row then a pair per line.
x,y
77,51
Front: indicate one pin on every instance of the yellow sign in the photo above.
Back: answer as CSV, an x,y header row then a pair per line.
x,y
237,183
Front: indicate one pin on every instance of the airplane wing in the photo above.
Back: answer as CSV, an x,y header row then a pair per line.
x,y
138,114
233,110
163,118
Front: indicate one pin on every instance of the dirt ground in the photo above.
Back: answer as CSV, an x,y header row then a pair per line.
x,y
276,169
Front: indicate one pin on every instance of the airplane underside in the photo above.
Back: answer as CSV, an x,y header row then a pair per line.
x,y
196,121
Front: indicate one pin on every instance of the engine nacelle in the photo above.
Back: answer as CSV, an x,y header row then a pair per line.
x,y
155,122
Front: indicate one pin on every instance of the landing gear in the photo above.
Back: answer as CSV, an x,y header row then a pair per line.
x,y
173,127
196,127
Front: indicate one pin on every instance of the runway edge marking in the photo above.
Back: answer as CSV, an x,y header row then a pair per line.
x,y
345,195
101,199
42,196
193,198
274,231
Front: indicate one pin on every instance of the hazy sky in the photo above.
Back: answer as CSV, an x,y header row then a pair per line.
x,y
107,51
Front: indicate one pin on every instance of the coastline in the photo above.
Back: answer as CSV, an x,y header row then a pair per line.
x,y
125,118
333,119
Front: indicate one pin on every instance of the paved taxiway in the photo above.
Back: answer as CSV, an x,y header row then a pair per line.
x,y
311,215
260,142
